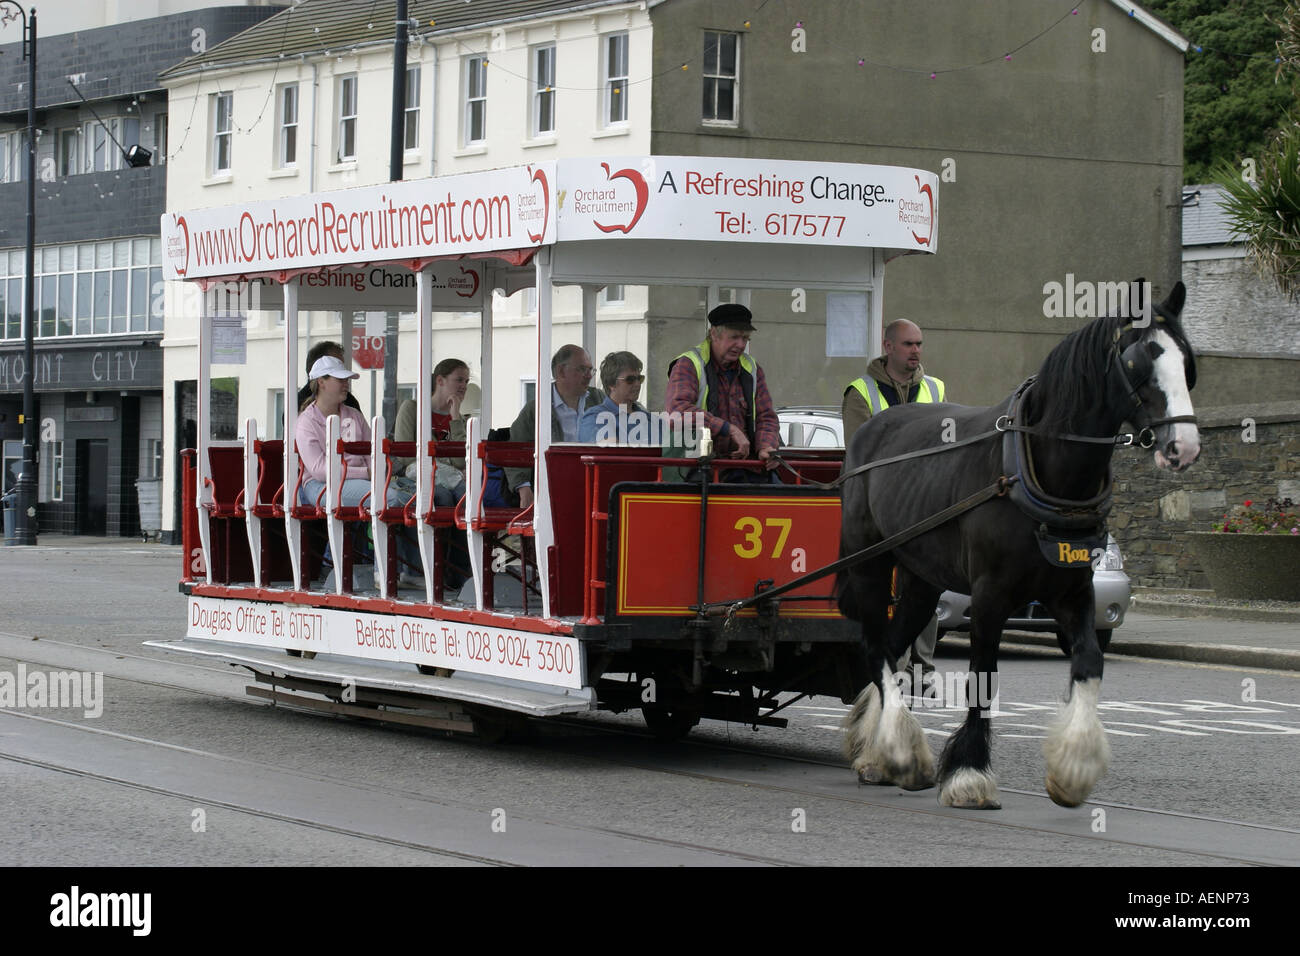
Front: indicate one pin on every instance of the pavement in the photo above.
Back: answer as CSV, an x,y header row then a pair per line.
x,y
1161,623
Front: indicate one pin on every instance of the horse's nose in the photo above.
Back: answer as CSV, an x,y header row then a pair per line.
x,y
1181,454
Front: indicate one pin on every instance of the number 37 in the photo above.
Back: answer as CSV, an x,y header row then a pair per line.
x,y
752,529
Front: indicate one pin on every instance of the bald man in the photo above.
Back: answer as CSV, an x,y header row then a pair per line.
x,y
897,378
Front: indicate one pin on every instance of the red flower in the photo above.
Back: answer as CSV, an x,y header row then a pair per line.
x,y
1249,503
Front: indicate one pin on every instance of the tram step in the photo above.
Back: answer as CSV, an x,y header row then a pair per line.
x,y
534,700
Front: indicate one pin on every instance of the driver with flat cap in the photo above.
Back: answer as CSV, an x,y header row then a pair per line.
x,y
720,379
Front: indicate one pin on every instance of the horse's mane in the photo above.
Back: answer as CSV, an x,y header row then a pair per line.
x,y
1072,379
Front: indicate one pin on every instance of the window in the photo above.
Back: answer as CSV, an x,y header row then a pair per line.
x,y
68,139
612,295
84,288
347,113
13,463
51,471
151,467
411,131
543,84
721,95
159,138
287,141
12,156
615,105
527,390
475,100
223,127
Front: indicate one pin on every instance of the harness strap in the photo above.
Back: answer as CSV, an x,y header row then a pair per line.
x,y
862,469
995,490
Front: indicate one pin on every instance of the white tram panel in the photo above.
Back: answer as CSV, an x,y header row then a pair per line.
x,y
551,659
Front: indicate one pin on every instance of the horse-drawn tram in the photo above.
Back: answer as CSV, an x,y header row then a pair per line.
x,y
645,574
623,567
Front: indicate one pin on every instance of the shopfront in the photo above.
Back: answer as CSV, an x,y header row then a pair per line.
x,y
99,430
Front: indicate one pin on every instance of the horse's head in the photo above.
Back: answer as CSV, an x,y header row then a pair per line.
x,y
1156,367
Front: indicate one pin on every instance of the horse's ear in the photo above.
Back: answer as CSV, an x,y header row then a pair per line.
x,y
1177,296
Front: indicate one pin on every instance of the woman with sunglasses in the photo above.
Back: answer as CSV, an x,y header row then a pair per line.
x,y
620,373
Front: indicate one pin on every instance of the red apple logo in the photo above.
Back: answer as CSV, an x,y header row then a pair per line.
x,y
178,246
539,176
642,197
458,283
929,195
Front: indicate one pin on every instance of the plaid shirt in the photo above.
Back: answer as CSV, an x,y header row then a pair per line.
x,y
731,403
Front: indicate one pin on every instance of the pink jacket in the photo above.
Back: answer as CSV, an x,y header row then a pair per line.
x,y
309,434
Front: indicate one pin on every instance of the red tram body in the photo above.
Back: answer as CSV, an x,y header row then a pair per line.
x,y
618,597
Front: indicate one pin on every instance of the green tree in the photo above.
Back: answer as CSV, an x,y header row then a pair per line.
x,y
1265,210
1232,99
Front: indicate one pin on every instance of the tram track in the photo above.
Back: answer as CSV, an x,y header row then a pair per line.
x,y
894,799
615,844
713,763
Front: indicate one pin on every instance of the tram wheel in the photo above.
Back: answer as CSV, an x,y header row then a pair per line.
x,y
668,724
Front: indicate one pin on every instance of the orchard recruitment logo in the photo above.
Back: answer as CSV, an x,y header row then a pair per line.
x,y
610,199
178,245
464,285
911,211
538,177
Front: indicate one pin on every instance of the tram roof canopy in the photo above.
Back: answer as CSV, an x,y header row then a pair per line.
x,y
676,219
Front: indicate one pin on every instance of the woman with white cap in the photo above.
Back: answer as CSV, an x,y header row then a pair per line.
x,y
330,383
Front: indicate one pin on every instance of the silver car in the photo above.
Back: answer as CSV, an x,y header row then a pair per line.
x,y
818,426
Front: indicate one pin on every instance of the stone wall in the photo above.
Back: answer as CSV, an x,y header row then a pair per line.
x,y
1153,507
1230,309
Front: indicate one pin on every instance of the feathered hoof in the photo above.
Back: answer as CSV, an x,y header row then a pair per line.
x,y
1064,796
909,778
970,790
873,777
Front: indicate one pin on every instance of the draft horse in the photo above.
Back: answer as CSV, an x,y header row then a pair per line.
x,y
1040,462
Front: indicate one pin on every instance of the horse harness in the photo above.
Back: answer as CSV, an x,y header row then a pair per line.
x,y
1070,533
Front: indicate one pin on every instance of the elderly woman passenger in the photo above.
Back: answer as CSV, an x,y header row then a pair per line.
x,y
620,374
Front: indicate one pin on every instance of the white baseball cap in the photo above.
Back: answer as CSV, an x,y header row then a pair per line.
x,y
329,365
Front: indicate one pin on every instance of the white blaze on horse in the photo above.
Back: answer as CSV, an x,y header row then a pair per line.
x,y
1021,495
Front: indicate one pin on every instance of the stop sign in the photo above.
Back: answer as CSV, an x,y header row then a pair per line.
x,y
367,350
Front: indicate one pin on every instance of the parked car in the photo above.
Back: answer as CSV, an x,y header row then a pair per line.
x,y
820,426
811,426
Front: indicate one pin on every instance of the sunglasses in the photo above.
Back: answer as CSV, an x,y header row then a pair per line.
x,y
632,379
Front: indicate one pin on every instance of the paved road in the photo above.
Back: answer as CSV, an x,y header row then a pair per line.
x,y
182,767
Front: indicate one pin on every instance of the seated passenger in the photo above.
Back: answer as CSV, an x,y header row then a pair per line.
x,y
620,373
330,385
450,381
317,351
570,398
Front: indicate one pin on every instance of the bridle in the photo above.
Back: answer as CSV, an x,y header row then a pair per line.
x,y
1133,368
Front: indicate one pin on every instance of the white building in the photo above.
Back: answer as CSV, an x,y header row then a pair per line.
x,y
302,103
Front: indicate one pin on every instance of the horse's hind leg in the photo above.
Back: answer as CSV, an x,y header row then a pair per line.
x,y
966,777
883,738
1076,748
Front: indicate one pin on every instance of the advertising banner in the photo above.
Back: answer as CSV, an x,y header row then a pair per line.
x,y
552,659
747,200
469,214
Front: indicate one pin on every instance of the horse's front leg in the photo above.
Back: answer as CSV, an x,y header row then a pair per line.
x,y
966,777
883,739
1076,748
